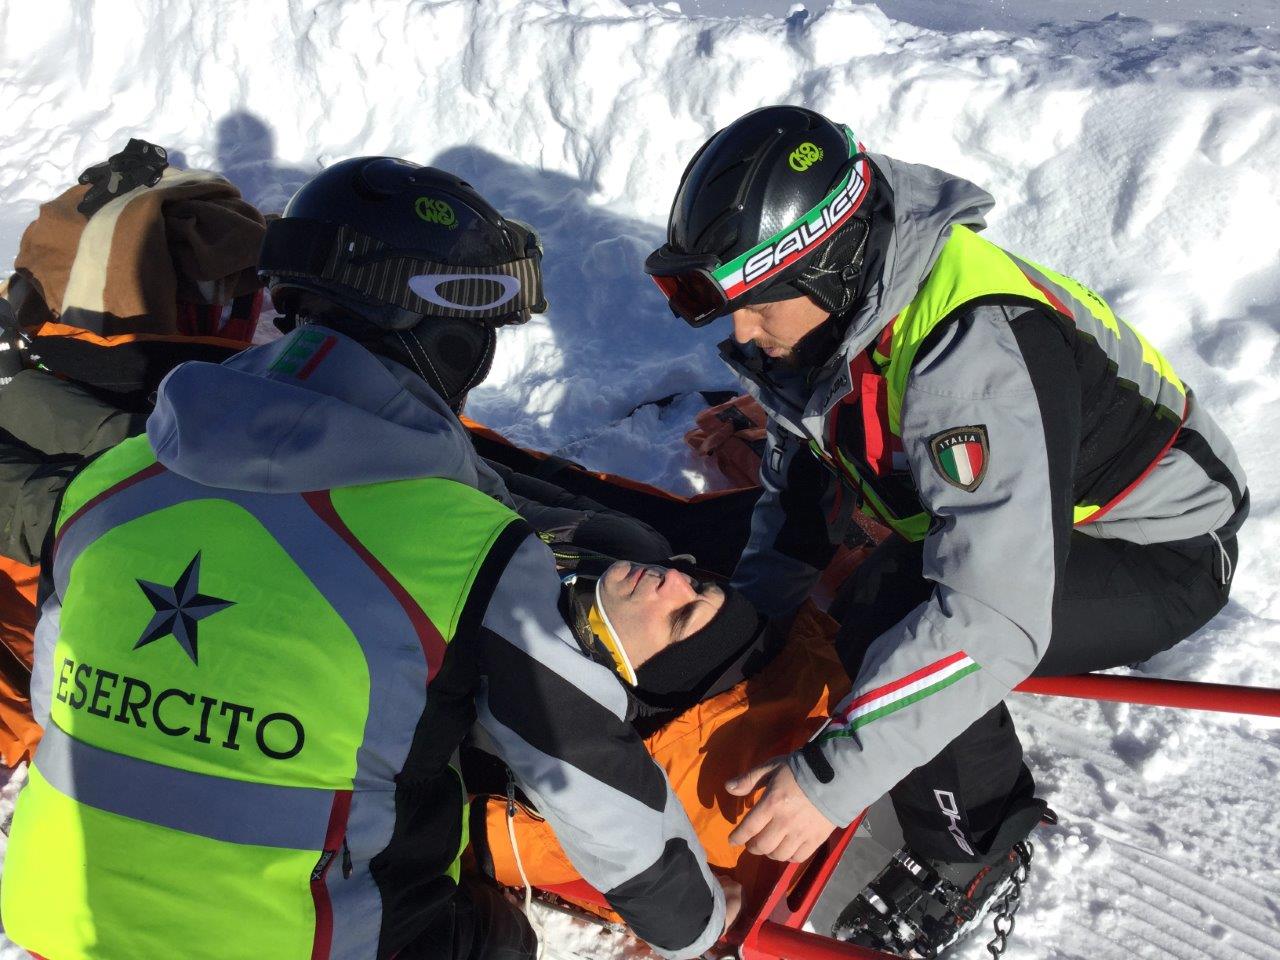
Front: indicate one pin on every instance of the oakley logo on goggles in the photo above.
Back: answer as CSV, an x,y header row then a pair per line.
x,y
474,289
312,249
700,288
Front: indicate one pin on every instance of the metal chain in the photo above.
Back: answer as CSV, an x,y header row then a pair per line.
x,y
1007,906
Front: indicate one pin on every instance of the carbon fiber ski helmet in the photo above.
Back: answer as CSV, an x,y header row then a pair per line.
x,y
771,207
410,260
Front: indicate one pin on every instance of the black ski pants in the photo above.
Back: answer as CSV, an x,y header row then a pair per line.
x,y
1119,604
478,923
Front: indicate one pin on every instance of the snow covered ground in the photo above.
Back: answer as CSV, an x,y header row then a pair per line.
x,y
1008,15
1140,155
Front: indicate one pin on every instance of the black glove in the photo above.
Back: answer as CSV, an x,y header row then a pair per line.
x,y
138,164
10,344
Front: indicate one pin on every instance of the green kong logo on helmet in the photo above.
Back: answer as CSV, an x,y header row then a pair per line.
x,y
804,156
436,211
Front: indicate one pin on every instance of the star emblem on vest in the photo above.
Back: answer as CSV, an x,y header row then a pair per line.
x,y
179,609
960,455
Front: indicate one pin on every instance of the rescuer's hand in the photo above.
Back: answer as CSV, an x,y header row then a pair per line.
x,y
784,824
732,900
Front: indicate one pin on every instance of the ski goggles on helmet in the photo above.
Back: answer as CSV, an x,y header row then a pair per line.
x,y
701,287
320,250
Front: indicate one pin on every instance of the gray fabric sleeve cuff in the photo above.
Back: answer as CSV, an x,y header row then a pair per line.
x,y
818,793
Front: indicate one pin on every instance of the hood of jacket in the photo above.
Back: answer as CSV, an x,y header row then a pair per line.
x,y
926,203
311,411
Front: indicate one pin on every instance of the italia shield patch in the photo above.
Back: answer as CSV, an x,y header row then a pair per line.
x,y
961,455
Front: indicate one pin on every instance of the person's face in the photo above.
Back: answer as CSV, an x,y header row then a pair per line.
x,y
652,608
777,327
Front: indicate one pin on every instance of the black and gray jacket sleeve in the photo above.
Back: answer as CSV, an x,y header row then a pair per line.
x,y
995,552
558,719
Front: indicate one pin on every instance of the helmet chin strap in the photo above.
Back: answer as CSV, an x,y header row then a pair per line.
x,y
452,356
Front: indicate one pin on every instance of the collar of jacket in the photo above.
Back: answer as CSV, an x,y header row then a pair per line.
x,y
313,410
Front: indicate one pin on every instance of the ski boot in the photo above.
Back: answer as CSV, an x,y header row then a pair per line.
x,y
919,908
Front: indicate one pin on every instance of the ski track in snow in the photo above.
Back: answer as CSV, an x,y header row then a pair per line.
x,y
1138,156
1167,835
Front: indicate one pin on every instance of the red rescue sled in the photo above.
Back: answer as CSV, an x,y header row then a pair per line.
x,y
773,929
714,527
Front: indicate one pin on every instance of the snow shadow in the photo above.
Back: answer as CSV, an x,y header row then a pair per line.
x,y
246,150
608,342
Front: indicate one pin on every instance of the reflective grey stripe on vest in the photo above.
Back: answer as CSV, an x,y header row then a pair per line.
x,y
219,808
1124,348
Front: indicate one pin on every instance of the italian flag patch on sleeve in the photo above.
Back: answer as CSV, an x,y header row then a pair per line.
x,y
960,455
871,706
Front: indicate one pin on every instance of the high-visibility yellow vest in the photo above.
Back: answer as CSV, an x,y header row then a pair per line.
x,y
236,684
968,269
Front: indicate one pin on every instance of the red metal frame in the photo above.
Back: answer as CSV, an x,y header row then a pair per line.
x,y
1156,692
774,931
578,890
775,940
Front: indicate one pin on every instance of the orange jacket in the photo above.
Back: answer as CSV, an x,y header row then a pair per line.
x,y
19,733
773,713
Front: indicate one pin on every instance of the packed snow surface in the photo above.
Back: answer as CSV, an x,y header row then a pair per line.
x,y
1139,155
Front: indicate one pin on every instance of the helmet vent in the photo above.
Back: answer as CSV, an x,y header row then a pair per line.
x,y
721,233
724,172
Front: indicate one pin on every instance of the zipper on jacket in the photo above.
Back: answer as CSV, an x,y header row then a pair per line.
x,y
509,798
335,843
514,805
322,865
327,857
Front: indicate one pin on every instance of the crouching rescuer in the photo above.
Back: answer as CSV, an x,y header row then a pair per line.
x,y
269,623
1061,500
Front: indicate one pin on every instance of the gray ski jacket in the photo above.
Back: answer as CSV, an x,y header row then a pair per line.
x,y
1054,413
556,718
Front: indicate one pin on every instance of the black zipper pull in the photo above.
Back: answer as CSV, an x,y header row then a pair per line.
x,y
511,795
346,860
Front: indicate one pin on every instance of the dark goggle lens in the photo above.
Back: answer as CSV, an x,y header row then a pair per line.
x,y
694,296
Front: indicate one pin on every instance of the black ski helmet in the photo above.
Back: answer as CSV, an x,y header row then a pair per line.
x,y
369,233
771,207
410,260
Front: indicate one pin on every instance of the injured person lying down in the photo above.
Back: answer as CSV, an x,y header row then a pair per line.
x,y
713,691
672,639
